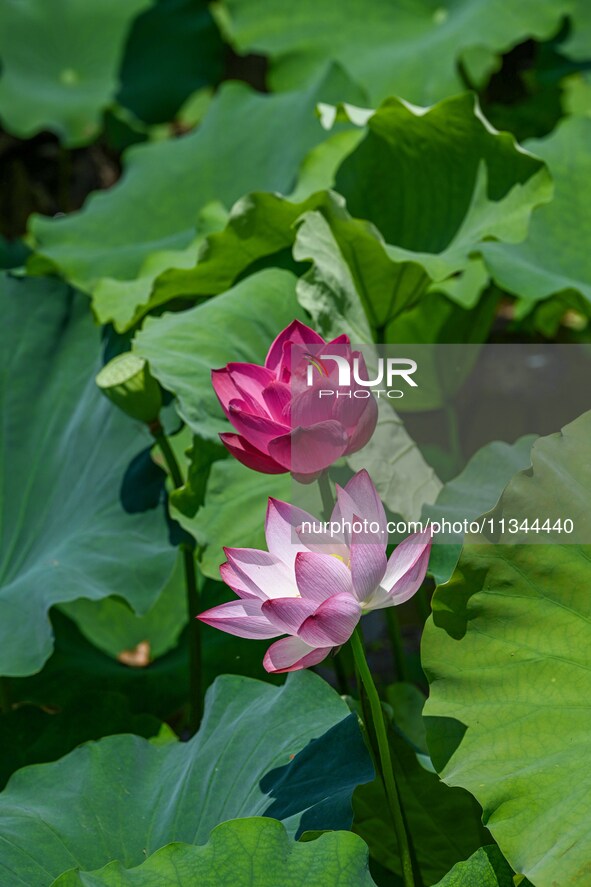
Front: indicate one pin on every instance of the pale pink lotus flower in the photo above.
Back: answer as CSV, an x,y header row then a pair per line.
x,y
314,588
283,422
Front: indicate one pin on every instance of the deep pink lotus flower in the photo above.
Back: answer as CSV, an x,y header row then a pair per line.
x,y
314,587
284,423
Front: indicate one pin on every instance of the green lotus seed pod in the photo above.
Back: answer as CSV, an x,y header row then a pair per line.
x,y
127,382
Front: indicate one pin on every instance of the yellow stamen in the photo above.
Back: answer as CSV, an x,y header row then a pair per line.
x,y
340,557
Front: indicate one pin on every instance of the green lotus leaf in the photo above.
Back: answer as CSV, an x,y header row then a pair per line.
x,y
112,626
173,49
240,325
475,490
577,44
125,302
486,867
123,798
259,226
396,232
156,205
555,488
206,507
554,258
60,63
576,94
234,489
506,690
77,669
252,852
465,314
65,534
30,735
440,182
412,49
196,459
404,480
353,283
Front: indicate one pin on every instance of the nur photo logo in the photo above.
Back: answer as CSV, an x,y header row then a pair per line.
x,y
350,375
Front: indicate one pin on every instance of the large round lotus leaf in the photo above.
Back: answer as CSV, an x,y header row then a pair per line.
x,y
437,185
439,182
476,488
554,258
507,656
60,63
152,214
252,852
485,868
261,750
410,48
64,533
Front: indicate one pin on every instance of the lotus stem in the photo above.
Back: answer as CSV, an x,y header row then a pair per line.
x,y
191,592
326,494
384,758
195,652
